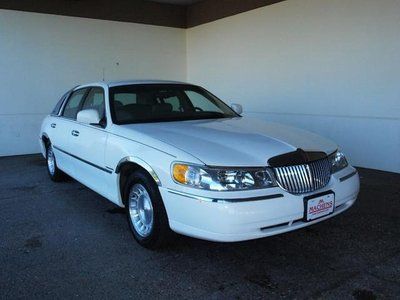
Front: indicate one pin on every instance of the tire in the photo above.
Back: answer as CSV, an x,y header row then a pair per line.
x,y
54,172
145,210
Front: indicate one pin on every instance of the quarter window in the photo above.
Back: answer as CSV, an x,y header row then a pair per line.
x,y
74,102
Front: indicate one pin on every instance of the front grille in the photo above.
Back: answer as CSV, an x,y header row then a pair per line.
x,y
304,178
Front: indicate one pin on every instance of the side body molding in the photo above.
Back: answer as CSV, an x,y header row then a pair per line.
x,y
140,162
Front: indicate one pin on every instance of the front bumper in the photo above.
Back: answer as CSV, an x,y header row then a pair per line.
x,y
221,216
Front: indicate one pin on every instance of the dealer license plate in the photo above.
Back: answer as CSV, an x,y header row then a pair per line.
x,y
317,207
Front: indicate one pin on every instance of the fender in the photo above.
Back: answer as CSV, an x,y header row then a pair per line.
x,y
140,162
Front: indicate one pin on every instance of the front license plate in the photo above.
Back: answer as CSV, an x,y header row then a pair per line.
x,y
319,206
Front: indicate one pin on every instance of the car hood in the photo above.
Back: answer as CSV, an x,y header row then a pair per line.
x,y
241,141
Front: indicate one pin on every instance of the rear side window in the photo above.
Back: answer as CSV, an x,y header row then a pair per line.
x,y
74,103
60,102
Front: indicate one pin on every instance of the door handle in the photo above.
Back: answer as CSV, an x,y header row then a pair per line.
x,y
75,132
53,125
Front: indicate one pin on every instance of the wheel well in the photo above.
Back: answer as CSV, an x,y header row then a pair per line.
x,y
46,141
125,170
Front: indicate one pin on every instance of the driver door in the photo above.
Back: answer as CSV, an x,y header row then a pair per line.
x,y
89,142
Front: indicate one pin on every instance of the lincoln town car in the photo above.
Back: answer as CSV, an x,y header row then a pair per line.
x,y
179,159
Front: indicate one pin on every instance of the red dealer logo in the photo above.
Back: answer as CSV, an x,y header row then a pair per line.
x,y
320,207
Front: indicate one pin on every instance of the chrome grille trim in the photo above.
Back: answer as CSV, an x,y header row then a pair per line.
x,y
306,178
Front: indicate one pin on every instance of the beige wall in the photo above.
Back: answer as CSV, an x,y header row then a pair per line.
x,y
42,56
330,66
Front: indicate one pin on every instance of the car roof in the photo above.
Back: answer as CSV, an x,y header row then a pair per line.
x,y
127,82
132,82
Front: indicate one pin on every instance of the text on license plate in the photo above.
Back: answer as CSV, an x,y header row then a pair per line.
x,y
319,206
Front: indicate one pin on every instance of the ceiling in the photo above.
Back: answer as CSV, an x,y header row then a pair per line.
x,y
177,2
171,13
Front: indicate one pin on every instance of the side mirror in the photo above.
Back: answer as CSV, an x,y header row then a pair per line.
x,y
237,108
88,116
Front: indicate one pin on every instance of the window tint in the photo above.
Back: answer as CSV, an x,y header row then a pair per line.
x,y
95,100
164,102
73,104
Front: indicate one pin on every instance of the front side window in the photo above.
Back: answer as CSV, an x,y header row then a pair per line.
x,y
95,100
175,103
73,104
200,102
165,102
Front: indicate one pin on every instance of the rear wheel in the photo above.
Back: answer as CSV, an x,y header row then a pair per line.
x,y
54,172
146,213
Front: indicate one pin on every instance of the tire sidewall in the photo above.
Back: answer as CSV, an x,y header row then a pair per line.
x,y
160,220
58,174
52,176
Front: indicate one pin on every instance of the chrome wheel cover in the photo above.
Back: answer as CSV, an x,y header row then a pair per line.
x,y
141,210
51,161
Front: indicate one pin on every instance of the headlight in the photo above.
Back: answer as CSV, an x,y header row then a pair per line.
x,y
222,179
339,161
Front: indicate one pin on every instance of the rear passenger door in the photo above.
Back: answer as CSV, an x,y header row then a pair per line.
x,y
62,126
89,145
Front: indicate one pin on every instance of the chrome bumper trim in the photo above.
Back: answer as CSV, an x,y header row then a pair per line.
x,y
231,200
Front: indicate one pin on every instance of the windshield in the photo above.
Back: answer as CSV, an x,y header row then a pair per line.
x,y
165,102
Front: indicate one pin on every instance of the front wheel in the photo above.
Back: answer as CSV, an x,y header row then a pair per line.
x,y
54,172
146,213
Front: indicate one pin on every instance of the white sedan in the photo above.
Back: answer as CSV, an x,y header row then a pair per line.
x,y
178,158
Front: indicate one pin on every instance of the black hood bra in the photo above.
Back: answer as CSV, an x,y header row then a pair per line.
x,y
298,157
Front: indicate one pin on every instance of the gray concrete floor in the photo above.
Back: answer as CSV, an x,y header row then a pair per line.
x,y
63,240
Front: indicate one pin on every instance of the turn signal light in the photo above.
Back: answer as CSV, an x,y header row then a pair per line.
x,y
179,172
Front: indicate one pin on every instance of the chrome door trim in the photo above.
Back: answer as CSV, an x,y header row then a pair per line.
x,y
83,160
